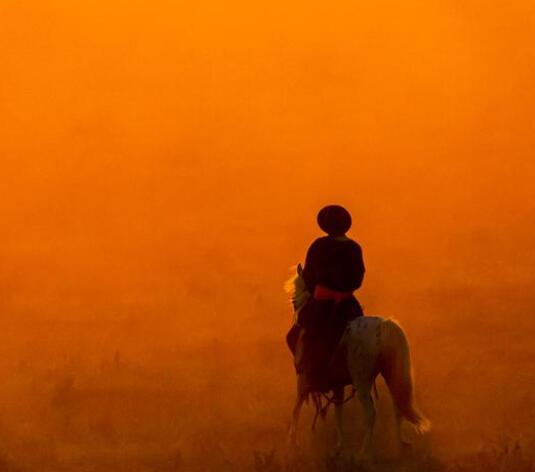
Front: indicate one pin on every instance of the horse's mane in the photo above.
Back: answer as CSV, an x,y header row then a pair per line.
x,y
289,284
296,289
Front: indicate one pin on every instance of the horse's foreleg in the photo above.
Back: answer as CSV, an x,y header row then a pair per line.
x,y
292,434
301,396
365,398
291,458
338,406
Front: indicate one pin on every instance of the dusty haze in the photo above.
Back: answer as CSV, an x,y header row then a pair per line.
x,y
162,166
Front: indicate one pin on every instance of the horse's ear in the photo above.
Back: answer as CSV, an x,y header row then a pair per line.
x,y
299,269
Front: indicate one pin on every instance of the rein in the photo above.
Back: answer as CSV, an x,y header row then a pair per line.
x,y
321,409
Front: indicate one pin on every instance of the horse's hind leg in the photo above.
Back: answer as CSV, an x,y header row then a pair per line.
x,y
365,398
338,406
403,443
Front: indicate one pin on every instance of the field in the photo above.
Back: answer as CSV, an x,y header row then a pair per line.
x,y
224,406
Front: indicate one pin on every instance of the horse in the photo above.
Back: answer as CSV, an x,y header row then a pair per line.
x,y
370,346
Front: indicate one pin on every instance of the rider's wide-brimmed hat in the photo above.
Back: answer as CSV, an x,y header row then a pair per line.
x,y
335,220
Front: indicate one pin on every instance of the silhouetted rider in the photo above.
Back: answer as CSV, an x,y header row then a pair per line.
x,y
334,269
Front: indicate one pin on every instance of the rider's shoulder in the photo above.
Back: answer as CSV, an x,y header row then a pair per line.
x,y
351,244
321,241
356,246
329,241
317,243
341,239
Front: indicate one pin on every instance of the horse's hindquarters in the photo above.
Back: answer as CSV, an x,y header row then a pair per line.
x,y
397,370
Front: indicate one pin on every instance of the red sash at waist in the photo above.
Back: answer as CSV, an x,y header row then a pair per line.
x,y
324,293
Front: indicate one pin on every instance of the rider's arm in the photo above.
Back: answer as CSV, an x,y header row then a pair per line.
x,y
358,268
309,271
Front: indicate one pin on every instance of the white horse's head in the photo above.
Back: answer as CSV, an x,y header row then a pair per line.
x,y
296,289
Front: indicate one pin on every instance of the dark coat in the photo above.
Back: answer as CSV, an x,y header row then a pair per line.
x,y
337,264
334,263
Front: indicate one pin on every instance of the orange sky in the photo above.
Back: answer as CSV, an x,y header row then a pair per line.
x,y
176,154
162,166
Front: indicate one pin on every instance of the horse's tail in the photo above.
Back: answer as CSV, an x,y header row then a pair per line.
x,y
397,371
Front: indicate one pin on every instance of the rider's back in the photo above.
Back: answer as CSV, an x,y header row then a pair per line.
x,y
335,263
333,270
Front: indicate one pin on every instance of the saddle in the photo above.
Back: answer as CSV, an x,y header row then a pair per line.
x,y
323,371
314,340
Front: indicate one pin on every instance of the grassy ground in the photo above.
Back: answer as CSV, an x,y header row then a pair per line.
x,y
223,411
